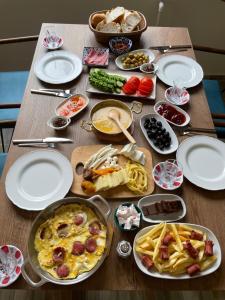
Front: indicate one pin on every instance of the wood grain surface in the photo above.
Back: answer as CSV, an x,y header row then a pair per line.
x,y
203,207
81,154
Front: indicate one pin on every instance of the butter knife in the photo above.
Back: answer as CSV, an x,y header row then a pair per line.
x,y
170,47
54,140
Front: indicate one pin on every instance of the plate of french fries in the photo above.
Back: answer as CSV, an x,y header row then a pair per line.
x,y
176,251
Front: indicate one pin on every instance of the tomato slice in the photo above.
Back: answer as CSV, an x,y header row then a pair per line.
x,y
146,81
128,89
134,81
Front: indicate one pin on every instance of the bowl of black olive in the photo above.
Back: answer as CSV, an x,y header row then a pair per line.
x,y
159,134
58,122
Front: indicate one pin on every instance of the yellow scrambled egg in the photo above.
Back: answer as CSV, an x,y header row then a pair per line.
x,y
62,231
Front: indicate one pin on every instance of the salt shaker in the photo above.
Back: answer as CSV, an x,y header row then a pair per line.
x,y
124,249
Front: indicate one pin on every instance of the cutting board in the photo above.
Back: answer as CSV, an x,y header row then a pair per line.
x,y
81,154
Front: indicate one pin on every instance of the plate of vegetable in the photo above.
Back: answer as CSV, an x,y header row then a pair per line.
x,y
128,84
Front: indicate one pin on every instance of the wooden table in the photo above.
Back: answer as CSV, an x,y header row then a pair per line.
x,y
203,207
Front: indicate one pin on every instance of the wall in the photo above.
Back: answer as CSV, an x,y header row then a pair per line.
x,y
204,18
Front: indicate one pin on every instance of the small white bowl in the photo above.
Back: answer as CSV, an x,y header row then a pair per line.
x,y
151,66
180,110
168,175
177,96
11,262
51,121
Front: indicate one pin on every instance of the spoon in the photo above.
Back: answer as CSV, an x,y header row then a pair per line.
x,y
114,114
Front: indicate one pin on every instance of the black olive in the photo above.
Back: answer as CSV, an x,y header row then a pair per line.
x,y
153,120
159,124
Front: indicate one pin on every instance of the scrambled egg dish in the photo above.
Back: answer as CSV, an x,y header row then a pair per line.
x,y
71,242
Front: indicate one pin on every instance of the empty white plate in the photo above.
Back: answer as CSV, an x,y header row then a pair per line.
x,y
38,178
203,161
178,68
58,67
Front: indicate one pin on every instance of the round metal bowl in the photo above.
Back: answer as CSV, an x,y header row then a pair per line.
x,y
46,214
90,127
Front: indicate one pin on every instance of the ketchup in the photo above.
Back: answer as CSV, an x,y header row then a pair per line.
x,y
171,114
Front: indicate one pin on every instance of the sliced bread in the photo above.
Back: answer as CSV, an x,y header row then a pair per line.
x,y
96,19
110,27
115,15
131,22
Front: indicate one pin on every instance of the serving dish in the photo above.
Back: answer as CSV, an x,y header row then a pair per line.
x,y
126,75
186,116
203,161
174,141
177,96
95,56
154,273
72,105
11,261
38,178
178,67
104,37
91,127
157,218
57,67
44,216
168,175
147,52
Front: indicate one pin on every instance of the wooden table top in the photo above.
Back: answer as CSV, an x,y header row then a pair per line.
x,y
203,207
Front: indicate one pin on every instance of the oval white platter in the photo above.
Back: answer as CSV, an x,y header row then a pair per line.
x,y
154,273
174,141
67,100
172,217
148,52
187,117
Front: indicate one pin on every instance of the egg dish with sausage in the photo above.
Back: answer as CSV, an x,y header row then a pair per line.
x,y
71,242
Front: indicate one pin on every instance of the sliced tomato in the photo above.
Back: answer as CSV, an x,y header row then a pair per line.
x,y
128,89
134,81
146,81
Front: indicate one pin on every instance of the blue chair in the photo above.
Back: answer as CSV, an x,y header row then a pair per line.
x,y
213,94
12,86
3,157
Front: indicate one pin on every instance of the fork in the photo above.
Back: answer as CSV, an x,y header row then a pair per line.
x,y
68,91
163,51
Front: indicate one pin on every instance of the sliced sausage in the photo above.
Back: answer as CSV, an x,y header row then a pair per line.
x,y
164,252
196,235
62,271
167,239
78,248
78,219
94,228
63,230
208,248
147,262
59,255
91,245
193,269
191,250
45,233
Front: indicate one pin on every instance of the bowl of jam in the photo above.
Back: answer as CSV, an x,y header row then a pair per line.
x,y
58,122
173,114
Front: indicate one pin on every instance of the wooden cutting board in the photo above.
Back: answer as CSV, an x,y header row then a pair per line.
x,y
81,154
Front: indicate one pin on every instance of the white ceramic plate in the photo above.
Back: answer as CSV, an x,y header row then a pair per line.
x,y
187,117
154,273
172,217
147,52
179,68
203,161
38,178
58,67
174,141
127,75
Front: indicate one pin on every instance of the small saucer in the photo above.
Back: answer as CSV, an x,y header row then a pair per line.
x,y
177,96
168,175
149,68
55,43
11,261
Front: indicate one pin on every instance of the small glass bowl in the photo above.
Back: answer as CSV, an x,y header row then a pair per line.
x,y
120,45
177,96
121,227
168,175
53,122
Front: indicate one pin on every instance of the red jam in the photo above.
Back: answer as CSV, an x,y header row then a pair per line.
x,y
171,114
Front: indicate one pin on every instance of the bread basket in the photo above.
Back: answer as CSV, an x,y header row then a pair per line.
x,y
104,37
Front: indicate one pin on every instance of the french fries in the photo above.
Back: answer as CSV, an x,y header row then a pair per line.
x,y
177,257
